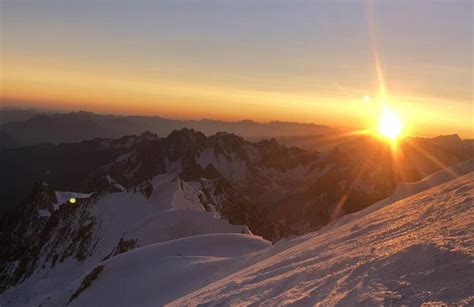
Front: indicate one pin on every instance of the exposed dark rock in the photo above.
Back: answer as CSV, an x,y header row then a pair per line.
x,y
87,281
122,247
279,191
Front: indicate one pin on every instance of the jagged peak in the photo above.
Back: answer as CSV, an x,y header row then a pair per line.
x,y
184,131
225,137
187,135
41,196
148,135
269,142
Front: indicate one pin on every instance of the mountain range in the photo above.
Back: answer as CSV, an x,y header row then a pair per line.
x,y
81,219
274,189
159,244
24,128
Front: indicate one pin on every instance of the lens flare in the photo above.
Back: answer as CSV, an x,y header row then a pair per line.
x,y
390,125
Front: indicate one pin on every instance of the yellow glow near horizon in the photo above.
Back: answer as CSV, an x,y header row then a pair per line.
x,y
390,125
111,90
70,88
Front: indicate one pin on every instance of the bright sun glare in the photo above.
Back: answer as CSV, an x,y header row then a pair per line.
x,y
390,125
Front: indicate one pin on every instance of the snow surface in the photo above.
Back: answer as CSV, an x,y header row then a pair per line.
x,y
235,169
240,172
404,252
420,249
171,212
62,197
156,274
124,157
404,190
114,183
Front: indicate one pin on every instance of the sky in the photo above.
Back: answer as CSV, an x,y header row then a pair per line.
x,y
303,61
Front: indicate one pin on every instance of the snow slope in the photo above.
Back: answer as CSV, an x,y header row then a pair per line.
x,y
405,190
116,222
156,274
416,250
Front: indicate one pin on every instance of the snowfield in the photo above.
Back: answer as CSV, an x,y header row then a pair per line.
x,y
417,250
415,247
159,273
122,220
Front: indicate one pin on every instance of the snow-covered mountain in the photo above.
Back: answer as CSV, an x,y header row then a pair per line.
x,y
414,251
412,248
58,240
140,193
276,190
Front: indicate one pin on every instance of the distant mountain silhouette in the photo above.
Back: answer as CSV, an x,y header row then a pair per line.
x,y
15,115
25,128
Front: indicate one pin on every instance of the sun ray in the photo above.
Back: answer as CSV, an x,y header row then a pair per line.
x,y
342,201
373,36
390,124
431,157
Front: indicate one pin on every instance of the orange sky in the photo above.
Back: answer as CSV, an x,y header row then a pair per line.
x,y
178,62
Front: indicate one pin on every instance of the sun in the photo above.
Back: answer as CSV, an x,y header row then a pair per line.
x,y
390,125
